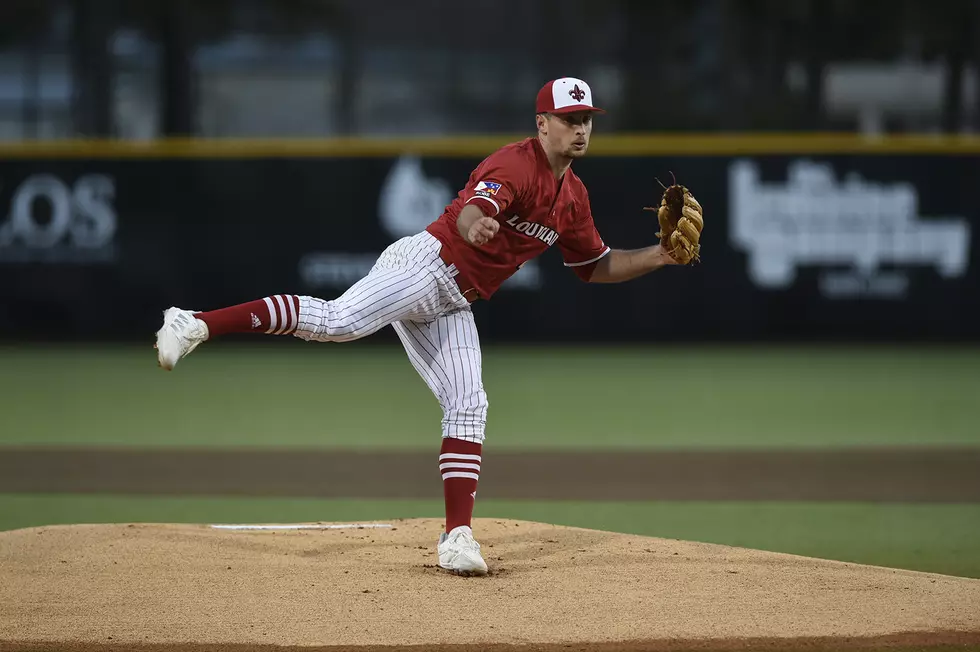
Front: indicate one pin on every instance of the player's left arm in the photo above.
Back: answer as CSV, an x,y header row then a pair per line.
x,y
593,261
626,264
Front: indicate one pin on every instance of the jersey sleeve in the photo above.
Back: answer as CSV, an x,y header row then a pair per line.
x,y
497,182
582,247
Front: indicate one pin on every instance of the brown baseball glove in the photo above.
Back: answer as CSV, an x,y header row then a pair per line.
x,y
681,222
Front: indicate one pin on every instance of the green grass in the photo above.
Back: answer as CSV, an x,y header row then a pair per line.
x,y
936,538
288,393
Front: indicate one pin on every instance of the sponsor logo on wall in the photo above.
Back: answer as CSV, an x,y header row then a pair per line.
x,y
864,236
409,201
50,220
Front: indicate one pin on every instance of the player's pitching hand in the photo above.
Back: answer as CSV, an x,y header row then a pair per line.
x,y
482,231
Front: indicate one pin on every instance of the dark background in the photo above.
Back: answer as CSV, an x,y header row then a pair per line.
x,y
892,85
209,233
328,67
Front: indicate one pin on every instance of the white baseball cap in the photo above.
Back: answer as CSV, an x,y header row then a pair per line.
x,y
565,95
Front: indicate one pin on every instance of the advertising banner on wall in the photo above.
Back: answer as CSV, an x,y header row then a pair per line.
x,y
853,247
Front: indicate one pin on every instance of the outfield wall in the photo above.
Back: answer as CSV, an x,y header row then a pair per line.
x,y
807,237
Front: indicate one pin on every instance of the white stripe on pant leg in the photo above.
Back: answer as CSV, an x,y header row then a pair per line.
x,y
465,412
449,364
403,296
419,337
381,291
447,369
371,285
453,352
400,302
368,290
418,358
459,330
282,311
382,297
476,360
464,404
272,315
453,367
470,401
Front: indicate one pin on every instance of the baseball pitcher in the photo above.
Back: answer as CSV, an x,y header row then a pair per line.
x,y
521,200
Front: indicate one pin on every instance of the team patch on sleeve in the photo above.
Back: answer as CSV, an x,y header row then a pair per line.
x,y
487,188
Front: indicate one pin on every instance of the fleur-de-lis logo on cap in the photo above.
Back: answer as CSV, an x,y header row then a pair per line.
x,y
577,93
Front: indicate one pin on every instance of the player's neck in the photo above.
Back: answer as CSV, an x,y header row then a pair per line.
x,y
559,164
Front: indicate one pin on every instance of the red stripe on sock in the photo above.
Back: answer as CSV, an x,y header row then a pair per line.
x,y
293,301
284,310
288,319
447,460
280,306
287,311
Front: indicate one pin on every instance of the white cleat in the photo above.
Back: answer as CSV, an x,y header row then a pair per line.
x,y
180,334
460,553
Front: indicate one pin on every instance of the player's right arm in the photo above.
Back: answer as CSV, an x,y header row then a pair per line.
x,y
495,184
475,227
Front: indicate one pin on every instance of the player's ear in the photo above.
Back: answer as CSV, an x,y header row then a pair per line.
x,y
542,121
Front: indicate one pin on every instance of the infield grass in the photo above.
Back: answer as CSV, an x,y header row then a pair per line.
x,y
366,396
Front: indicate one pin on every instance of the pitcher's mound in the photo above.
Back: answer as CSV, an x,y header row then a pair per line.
x,y
166,587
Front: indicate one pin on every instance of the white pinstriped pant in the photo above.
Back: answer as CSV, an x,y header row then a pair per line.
x,y
411,288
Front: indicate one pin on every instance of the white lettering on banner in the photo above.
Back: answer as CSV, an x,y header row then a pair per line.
x,y
409,200
812,219
334,270
50,221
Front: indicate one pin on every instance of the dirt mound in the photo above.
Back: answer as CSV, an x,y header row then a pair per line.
x,y
160,586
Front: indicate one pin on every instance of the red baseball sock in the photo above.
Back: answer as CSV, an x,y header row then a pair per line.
x,y
276,315
459,463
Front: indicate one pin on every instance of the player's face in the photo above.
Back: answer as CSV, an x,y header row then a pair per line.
x,y
568,134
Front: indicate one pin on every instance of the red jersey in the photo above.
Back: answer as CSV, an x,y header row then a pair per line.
x,y
515,185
